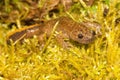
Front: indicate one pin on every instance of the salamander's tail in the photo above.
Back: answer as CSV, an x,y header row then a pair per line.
x,y
23,33
16,36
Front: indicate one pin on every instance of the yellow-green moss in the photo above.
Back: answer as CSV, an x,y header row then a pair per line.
x,y
99,60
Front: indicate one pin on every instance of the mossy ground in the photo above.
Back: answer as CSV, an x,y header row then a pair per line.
x,y
99,60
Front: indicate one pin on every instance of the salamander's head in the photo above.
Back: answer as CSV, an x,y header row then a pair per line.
x,y
82,34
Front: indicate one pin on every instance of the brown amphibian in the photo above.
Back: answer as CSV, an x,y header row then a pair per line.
x,y
67,28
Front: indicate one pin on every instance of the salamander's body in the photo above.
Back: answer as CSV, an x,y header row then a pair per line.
x,y
67,29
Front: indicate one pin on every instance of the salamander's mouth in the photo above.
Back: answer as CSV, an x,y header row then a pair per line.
x,y
86,41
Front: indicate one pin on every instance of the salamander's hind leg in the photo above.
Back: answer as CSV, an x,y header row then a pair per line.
x,y
42,39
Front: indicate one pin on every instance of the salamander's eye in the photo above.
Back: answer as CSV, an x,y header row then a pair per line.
x,y
80,36
93,33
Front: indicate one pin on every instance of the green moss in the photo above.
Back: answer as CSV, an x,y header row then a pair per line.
x,y
99,60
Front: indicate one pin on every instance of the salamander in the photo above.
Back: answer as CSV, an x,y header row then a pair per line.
x,y
67,28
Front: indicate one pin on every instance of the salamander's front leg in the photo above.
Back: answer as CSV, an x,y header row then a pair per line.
x,y
63,41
